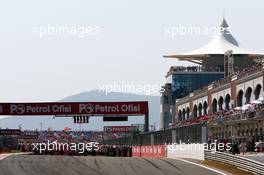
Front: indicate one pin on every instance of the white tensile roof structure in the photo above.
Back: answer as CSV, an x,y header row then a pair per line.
x,y
223,42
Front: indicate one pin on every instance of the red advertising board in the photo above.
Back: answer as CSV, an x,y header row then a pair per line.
x,y
65,108
135,151
157,151
118,129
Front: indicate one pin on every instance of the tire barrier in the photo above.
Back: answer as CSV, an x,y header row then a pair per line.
x,y
155,151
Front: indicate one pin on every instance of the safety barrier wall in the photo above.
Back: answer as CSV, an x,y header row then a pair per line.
x,y
192,151
242,163
136,151
157,151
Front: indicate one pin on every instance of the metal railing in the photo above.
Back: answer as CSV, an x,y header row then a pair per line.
x,y
240,162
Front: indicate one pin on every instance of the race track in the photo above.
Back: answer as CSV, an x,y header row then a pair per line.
x,y
88,165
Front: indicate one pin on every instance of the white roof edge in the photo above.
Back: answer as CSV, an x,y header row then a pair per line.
x,y
223,42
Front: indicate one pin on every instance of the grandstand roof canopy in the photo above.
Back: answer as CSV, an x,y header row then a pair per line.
x,y
223,42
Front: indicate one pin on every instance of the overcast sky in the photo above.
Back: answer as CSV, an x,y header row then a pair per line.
x,y
128,45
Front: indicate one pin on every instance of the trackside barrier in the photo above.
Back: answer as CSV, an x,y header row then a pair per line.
x,y
157,151
240,162
135,151
193,151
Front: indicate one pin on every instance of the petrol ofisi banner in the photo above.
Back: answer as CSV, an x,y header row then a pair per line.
x,y
118,129
65,108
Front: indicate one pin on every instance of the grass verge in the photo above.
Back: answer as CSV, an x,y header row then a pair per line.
x,y
230,169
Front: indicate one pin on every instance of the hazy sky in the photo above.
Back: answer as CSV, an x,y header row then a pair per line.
x,y
127,48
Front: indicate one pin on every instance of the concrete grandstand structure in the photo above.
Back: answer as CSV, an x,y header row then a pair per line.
x,y
229,106
220,105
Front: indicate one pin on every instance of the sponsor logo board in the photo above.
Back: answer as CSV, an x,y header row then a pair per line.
x,y
92,108
119,129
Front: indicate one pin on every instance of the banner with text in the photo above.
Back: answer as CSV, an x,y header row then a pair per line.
x,y
119,129
65,108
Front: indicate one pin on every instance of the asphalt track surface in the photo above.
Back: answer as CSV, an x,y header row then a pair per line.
x,y
88,165
257,157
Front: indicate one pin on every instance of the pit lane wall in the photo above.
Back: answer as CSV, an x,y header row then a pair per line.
x,y
174,151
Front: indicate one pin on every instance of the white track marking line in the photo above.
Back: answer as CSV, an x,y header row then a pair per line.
x,y
3,156
6,155
220,172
